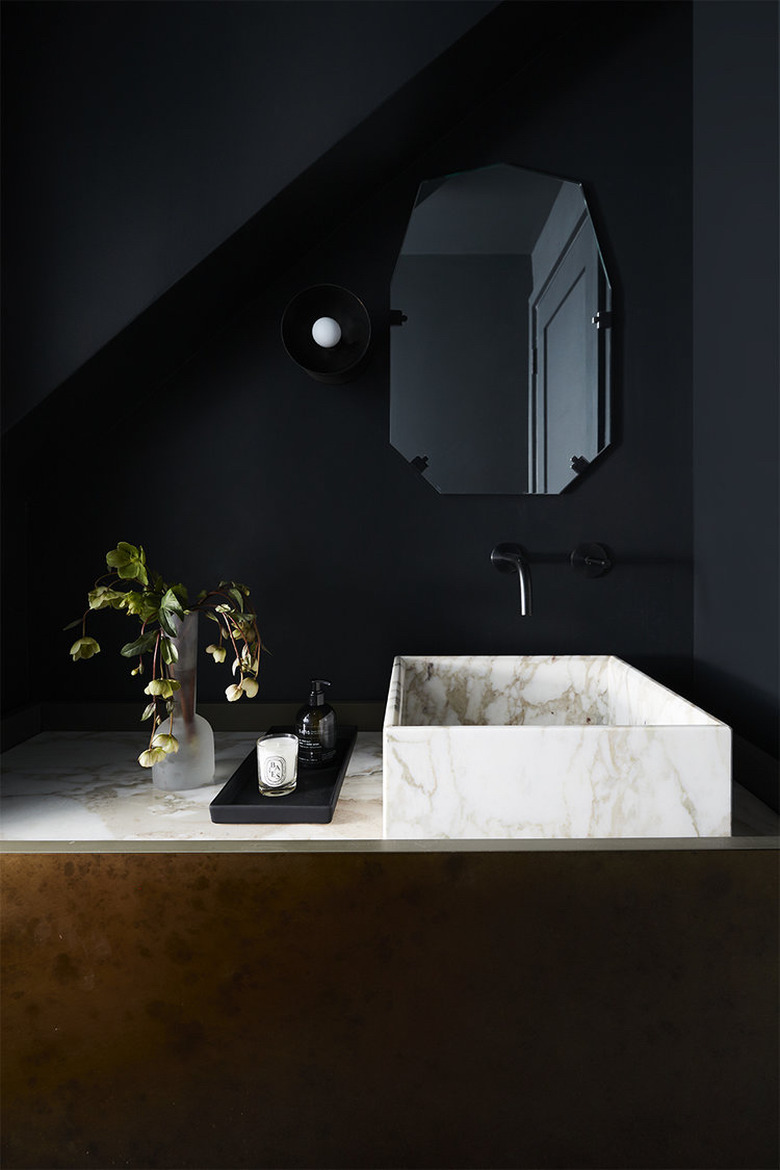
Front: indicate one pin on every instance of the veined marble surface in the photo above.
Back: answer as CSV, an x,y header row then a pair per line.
x,y
540,690
74,787
572,746
88,786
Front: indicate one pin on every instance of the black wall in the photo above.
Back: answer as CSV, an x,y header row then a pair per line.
x,y
137,137
736,370
243,466
240,465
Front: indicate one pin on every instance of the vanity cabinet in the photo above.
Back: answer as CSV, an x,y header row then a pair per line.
x,y
380,1005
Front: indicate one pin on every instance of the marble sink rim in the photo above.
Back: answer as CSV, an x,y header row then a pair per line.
x,y
392,721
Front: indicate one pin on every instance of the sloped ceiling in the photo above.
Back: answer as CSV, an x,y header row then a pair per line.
x,y
139,137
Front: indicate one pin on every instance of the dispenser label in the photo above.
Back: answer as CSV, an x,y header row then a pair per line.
x,y
315,750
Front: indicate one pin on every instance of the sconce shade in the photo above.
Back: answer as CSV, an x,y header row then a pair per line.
x,y
342,361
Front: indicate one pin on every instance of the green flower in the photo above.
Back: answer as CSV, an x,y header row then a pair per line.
x,y
129,562
218,653
151,757
249,660
162,746
168,744
163,687
233,692
84,648
250,687
102,596
142,605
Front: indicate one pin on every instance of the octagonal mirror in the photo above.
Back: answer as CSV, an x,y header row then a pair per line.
x,y
500,344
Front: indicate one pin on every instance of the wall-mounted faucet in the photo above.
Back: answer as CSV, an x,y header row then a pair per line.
x,y
511,558
592,560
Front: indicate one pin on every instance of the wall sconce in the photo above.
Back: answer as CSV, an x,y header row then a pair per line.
x,y
326,330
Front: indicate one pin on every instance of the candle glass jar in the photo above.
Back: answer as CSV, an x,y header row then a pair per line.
x,y
277,764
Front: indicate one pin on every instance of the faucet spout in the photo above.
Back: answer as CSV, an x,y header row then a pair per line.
x,y
512,558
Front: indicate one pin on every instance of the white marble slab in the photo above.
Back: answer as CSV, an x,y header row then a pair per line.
x,y
78,787
548,747
88,786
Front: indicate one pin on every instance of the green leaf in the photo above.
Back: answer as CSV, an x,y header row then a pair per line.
x,y
149,710
140,646
170,608
169,652
171,602
72,625
167,622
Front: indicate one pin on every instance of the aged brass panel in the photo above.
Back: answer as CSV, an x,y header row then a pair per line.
x,y
375,1010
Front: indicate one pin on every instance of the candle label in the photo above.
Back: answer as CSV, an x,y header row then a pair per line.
x,y
275,771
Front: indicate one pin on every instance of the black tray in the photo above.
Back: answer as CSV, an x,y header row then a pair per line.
x,y
312,803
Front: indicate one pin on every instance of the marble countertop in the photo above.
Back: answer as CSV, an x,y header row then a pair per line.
x,y
88,786
80,787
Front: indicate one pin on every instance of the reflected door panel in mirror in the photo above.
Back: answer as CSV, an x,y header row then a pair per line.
x,y
499,373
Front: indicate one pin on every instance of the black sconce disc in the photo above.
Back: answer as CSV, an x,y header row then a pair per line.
x,y
344,360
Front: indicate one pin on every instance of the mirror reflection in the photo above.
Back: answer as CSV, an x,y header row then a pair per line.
x,y
499,371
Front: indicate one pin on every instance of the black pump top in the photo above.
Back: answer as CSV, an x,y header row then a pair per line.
x,y
317,696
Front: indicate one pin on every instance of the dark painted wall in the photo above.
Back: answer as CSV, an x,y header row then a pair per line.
x,y
243,466
137,137
736,371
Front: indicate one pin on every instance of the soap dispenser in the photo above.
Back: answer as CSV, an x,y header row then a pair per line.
x,y
315,726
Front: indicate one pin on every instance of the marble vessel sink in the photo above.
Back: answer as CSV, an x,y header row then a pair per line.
x,y
556,746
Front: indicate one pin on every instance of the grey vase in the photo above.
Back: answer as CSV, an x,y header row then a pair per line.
x,y
192,766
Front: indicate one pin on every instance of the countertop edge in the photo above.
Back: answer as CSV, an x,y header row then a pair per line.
x,y
531,845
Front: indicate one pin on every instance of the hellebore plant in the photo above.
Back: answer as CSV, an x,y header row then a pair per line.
x,y
160,608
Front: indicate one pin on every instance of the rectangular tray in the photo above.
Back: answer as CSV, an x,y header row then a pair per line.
x,y
313,803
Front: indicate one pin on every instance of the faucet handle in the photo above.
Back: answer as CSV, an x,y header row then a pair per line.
x,y
591,559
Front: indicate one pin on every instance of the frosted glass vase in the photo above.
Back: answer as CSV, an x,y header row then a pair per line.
x,y
192,766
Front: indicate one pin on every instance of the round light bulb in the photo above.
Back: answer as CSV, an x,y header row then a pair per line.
x,y
326,332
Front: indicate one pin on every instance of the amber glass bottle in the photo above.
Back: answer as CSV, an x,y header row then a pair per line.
x,y
315,726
